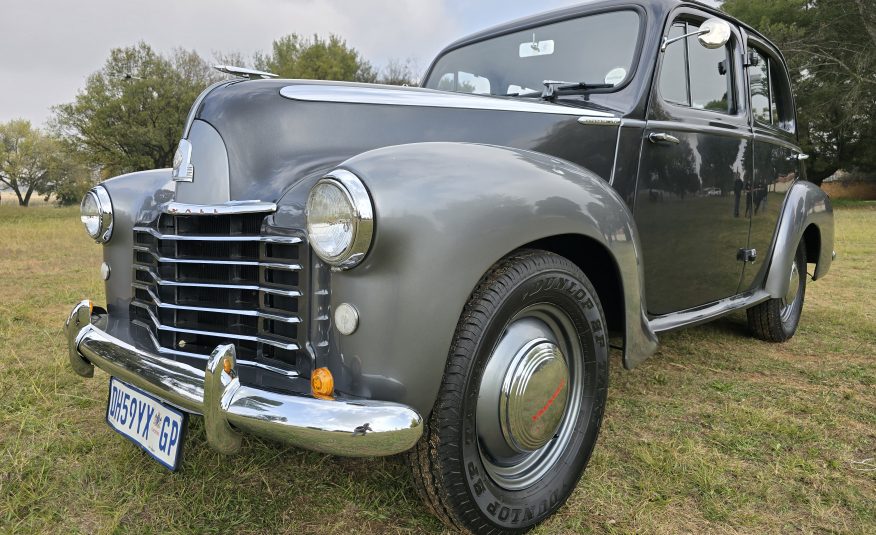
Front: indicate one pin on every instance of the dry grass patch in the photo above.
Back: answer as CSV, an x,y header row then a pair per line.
x,y
718,433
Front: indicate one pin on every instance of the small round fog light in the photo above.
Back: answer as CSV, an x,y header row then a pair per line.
x,y
346,318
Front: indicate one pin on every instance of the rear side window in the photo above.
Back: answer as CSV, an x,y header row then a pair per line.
x,y
695,76
762,101
771,102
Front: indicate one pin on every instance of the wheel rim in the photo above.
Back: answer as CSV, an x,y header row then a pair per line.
x,y
530,395
793,290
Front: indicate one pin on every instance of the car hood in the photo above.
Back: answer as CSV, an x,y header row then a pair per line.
x,y
278,132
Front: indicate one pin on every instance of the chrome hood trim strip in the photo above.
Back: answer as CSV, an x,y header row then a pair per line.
x,y
230,207
426,98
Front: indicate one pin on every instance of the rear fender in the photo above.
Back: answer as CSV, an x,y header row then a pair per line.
x,y
806,205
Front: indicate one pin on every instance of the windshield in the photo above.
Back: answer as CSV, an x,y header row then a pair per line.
x,y
595,49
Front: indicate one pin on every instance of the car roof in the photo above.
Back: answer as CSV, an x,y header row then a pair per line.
x,y
657,7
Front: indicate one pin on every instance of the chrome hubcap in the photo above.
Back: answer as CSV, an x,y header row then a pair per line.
x,y
534,396
529,397
793,288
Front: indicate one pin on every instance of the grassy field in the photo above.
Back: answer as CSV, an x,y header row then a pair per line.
x,y
718,433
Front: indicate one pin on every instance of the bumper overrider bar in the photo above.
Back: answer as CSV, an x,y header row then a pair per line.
x,y
348,427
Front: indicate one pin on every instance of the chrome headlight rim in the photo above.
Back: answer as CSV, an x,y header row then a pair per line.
x,y
362,230
104,204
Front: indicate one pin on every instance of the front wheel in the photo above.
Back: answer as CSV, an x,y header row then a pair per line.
x,y
776,320
521,401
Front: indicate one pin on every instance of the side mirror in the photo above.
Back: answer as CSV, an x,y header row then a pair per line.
x,y
714,33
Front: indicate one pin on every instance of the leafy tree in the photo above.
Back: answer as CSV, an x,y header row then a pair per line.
x,y
830,46
398,72
131,113
72,177
26,159
294,56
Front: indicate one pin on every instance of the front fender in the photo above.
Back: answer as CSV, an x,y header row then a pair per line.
x,y
131,195
805,204
446,212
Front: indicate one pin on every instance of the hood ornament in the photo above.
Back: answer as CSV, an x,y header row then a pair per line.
x,y
243,72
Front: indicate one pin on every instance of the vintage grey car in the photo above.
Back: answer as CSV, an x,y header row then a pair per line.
x,y
366,270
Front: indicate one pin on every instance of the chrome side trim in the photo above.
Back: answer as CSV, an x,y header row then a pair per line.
x,y
231,207
188,237
599,121
616,150
696,316
343,426
355,94
163,282
253,313
679,126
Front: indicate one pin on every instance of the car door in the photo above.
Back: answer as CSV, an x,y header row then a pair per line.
x,y
692,181
776,162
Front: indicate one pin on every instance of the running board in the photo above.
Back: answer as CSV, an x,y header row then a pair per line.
x,y
695,316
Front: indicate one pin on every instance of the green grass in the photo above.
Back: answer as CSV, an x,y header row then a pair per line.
x,y
717,433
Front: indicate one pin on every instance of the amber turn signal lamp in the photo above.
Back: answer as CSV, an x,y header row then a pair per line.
x,y
322,384
226,365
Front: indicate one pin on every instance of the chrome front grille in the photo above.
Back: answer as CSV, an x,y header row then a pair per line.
x,y
204,279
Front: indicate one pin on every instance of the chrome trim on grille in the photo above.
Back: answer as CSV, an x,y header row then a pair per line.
x,y
269,265
186,237
221,274
162,282
166,351
240,312
162,327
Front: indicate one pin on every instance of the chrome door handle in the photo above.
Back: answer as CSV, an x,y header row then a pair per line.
x,y
660,137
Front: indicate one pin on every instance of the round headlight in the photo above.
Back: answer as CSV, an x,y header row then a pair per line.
x,y
340,219
96,213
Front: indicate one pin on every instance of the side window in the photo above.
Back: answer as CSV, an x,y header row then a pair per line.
x,y
695,76
761,97
771,101
673,75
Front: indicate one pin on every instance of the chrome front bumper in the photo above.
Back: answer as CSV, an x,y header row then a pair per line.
x,y
348,427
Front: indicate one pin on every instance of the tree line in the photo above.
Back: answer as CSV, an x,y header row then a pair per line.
x,y
830,47
129,114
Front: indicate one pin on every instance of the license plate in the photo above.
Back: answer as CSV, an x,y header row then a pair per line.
x,y
147,422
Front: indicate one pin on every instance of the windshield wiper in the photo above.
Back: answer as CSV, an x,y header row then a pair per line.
x,y
528,94
553,88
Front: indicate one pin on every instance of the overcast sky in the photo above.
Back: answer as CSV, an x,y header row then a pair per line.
x,y
48,47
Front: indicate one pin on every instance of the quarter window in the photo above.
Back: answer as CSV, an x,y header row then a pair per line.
x,y
761,96
771,102
695,76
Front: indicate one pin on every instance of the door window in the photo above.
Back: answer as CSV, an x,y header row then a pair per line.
x,y
695,76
